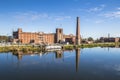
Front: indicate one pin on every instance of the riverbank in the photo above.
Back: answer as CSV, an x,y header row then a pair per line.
x,y
91,45
20,48
27,48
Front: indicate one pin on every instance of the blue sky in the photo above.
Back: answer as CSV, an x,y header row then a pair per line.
x,y
97,17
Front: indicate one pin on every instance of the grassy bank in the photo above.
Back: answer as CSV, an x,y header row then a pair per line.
x,y
65,47
69,47
20,48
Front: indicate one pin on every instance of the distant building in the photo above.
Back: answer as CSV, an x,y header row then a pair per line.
x,y
109,39
117,39
89,42
42,38
69,38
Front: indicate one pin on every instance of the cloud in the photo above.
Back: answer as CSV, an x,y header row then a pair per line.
x,y
29,16
33,16
115,14
118,8
96,9
91,10
103,5
99,21
58,18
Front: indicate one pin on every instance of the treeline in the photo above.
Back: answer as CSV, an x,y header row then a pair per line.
x,y
4,38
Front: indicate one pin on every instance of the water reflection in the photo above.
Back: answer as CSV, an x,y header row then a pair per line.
x,y
58,55
117,45
77,58
93,64
18,55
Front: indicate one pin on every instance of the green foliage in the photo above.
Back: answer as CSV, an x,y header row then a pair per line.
x,y
68,47
91,45
65,47
90,39
4,38
20,48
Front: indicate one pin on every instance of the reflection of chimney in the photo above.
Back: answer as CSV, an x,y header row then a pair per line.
x,y
77,58
108,49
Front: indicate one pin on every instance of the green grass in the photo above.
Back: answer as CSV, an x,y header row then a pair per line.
x,y
67,47
28,48
20,48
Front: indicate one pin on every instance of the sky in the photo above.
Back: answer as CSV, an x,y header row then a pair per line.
x,y
98,18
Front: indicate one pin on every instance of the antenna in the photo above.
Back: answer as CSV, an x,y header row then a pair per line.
x,y
108,35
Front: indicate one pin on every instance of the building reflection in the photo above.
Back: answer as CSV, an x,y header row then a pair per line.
x,y
18,55
59,54
116,45
77,58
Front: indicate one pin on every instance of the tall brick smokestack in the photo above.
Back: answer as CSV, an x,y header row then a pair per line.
x,y
78,32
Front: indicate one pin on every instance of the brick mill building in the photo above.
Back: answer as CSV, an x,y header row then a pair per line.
x,y
46,38
41,37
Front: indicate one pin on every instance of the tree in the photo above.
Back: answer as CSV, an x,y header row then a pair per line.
x,y
83,40
97,40
4,38
90,39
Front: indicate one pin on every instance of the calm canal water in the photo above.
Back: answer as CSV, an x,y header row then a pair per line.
x,y
81,64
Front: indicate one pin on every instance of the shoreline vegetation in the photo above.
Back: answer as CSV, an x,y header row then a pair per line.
x,y
31,48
